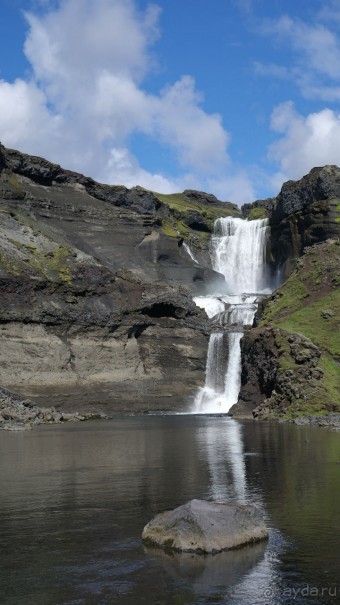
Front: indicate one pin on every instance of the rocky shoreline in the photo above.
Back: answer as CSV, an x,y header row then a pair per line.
x,y
331,421
18,414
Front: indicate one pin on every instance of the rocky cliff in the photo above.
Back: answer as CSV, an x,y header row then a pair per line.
x,y
304,213
290,361
95,289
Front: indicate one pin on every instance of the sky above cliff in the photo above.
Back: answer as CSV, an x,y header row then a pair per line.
x,y
229,96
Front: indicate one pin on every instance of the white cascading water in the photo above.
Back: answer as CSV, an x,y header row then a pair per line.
x,y
238,251
238,248
188,251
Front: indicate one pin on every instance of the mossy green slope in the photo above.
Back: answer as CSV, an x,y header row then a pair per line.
x,y
307,306
180,206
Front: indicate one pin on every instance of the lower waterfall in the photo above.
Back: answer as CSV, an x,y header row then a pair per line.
x,y
238,251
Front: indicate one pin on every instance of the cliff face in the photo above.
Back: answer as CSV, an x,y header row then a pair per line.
x,y
290,361
95,289
304,213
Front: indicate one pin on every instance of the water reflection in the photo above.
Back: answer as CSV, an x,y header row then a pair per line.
x,y
222,570
223,445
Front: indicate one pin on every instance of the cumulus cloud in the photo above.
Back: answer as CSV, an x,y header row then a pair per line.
x,y
307,141
85,97
199,138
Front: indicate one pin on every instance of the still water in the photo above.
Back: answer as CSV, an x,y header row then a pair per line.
x,y
74,500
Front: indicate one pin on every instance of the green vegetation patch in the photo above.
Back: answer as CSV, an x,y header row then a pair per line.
x,y
8,265
337,210
315,279
331,378
54,265
288,299
168,229
318,321
183,204
257,213
10,187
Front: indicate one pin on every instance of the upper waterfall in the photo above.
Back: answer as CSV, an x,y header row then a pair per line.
x,y
238,252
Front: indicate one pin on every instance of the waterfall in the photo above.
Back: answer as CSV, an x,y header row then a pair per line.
x,y
188,251
238,251
233,375
212,393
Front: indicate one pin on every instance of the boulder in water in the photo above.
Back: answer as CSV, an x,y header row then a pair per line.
x,y
206,527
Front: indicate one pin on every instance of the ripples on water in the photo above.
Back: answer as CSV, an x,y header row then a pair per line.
x,y
74,500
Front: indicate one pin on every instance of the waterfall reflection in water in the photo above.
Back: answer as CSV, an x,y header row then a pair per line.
x,y
225,456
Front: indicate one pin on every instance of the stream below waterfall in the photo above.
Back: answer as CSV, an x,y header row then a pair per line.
x,y
238,252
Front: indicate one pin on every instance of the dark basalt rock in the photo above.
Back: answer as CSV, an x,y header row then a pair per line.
x,y
45,173
196,221
201,195
320,184
304,213
260,365
209,198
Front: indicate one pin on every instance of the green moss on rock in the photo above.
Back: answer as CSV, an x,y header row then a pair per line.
x,y
257,213
304,317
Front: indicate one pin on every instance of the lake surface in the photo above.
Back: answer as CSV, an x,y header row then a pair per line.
x,y
75,498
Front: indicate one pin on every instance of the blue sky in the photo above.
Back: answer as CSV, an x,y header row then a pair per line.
x,y
229,96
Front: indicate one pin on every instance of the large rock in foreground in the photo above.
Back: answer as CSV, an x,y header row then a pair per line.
x,y
206,527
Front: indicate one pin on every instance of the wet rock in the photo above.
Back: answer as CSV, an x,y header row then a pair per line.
x,y
17,414
206,527
330,421
16,427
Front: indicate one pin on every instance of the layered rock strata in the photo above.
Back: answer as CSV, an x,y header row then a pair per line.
x,y
96,310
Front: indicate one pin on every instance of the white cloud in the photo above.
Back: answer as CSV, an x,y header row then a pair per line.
x,y
315,61
85,37
318,45
124,169
330,11
24,113
238,187
272,69
85,98
308,141
199,138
